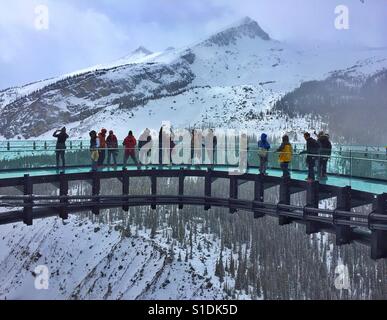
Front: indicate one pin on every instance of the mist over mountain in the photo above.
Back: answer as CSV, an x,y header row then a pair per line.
x,y
237,78
354,106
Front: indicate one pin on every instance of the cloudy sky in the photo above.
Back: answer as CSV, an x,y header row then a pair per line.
x,y
83,33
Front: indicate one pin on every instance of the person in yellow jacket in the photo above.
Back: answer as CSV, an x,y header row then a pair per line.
x,y
285,155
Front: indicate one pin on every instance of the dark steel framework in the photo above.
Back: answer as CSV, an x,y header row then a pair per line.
x,y
347,225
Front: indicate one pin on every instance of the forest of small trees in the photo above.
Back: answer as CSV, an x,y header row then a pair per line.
x,y
256,258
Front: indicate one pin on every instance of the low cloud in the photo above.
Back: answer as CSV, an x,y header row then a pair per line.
x,y
88,32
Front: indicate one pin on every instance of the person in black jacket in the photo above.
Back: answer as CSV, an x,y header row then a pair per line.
x,y
325,152
61,136
312,149
112,147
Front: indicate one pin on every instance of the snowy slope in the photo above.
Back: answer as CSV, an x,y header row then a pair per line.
x,y
95,261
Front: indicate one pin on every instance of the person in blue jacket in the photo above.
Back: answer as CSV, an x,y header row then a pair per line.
x,y
263,152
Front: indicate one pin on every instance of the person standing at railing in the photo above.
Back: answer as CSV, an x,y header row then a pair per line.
x,y
312,150
112,145
61,136
285,156
94,153
102,147
325,152
130,144
263,152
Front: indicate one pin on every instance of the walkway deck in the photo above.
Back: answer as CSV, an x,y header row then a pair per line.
x,y
365,185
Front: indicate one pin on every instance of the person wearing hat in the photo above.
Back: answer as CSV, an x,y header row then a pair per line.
x,y
112,146
102,147
61,136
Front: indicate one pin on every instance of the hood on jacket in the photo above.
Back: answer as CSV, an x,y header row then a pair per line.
x,y
264,137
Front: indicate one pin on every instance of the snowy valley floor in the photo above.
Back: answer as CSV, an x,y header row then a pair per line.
x,y
95,261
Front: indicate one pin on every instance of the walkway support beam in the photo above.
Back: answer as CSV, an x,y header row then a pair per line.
x,y
284,198
379,237
63,192
259,195
28,191
233,193
96,188
207,188
181,188
312,201
154,188
343,233
125,188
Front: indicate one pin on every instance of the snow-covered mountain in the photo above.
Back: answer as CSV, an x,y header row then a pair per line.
x,y
231,79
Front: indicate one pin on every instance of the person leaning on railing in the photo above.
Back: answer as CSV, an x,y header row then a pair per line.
x,y
285,155
61,136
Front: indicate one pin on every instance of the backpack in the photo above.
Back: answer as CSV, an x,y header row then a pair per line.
x,y
95,155
262,152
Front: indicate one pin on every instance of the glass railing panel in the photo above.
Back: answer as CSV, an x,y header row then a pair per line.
x,y
345,166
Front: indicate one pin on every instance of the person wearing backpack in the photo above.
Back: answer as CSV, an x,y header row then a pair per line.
x,y
312,150
285,156
263,152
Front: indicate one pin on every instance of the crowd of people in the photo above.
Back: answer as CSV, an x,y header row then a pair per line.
x,y
105,146
318,152
100,143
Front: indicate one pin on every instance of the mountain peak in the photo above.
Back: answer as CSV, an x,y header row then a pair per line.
x,y
142,50
245,20
245,27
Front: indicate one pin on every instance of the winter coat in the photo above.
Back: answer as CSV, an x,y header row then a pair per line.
x,y
62,137
94,143
325,146
102,140
312,148
285,153
263,146
263,143
112,142
130,143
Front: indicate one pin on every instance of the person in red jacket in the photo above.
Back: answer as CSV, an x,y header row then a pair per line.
x,y
130,144
102,147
